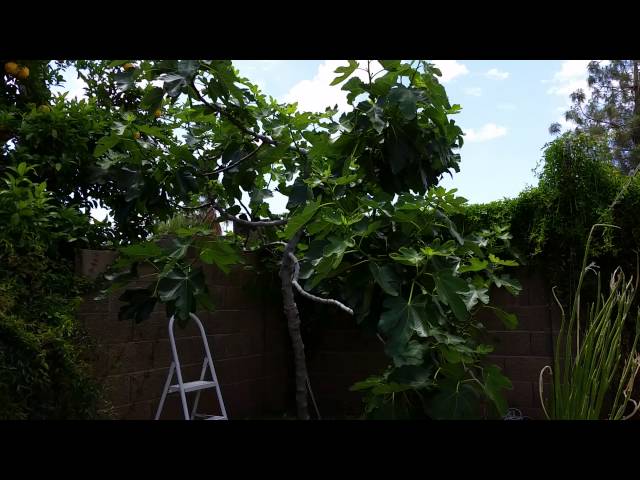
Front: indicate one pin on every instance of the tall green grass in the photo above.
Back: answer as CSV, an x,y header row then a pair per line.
x,y
586,380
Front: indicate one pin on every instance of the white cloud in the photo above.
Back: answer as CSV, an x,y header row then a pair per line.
x,y
496,74
72,84
450,69
572,76
317,94
474,91
487,132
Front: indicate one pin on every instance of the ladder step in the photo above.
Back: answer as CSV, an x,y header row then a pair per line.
x,y
209,417
192,386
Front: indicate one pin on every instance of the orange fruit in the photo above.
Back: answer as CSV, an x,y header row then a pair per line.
x,y
157,113
11,68
23,73
129,66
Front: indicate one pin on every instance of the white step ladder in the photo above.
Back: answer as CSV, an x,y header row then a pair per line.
x,y
195,386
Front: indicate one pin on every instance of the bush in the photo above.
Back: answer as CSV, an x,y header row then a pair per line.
x,y
42,371
550,223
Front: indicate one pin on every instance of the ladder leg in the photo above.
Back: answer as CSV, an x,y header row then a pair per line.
x,y
195,404
166,389
174,351
218,392
209,360
185,409
183,397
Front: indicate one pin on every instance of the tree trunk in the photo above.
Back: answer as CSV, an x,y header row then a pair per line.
x,y
293,322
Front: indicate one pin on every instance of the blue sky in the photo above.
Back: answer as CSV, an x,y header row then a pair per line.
x,y
507,107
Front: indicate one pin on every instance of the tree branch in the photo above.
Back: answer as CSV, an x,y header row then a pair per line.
x,y
246,209
239,221
610,123
304,293
234,164
227,216
223,111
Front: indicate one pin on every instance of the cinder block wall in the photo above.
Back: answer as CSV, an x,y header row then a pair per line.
x,y
251,353
523,352
248,340
340,354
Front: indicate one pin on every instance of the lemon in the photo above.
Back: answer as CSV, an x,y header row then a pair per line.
x,y
22,73
11,68
44,108
136,135
129,66
157,113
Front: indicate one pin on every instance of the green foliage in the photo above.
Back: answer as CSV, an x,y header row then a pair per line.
x,y
179,223
578,187
27,210
44,212
401,134
56,137
179,282
18,94
43,371
43,374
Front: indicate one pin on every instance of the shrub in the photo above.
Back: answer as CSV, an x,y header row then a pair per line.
x,y
42,371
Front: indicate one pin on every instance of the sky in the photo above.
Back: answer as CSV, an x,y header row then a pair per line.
x,y
507,107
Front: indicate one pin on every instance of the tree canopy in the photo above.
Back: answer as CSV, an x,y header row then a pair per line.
x,y
612,110
368,229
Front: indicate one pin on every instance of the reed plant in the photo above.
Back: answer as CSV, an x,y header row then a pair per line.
x,y
587,381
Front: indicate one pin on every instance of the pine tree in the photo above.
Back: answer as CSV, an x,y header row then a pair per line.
x,y
613,109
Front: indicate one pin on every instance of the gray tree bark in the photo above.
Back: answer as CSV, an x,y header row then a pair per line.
x,y
293,323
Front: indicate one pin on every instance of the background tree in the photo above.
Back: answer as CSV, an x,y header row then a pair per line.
x,y
612,110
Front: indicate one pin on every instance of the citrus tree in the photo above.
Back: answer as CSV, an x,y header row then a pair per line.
x,y
44,149
368,230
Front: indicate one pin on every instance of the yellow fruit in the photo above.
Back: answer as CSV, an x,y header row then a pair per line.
x,y
136,135
11,68
23,73
129,66
157,113
44,108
